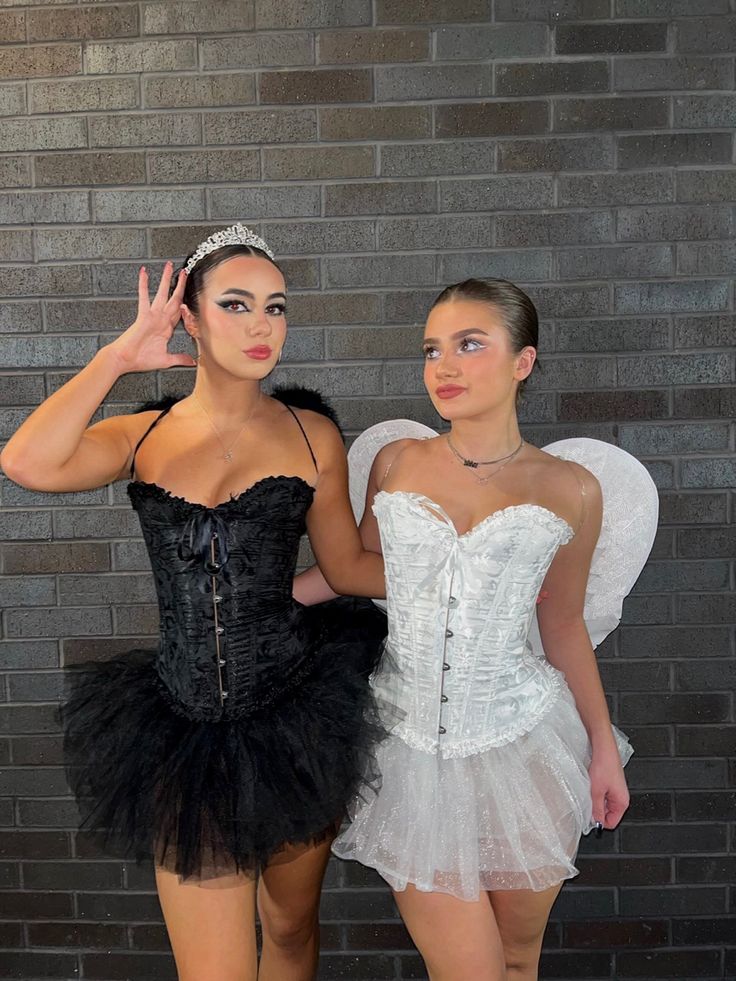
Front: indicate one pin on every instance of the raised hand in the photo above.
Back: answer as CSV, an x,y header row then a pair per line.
x,y
144,345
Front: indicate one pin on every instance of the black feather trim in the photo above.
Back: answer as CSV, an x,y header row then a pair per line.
x,y
306,398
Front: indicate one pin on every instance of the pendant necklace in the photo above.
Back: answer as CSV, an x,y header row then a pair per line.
x,y
474,464
227,454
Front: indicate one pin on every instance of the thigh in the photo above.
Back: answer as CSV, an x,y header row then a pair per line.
x,y
457,939
521,915
290,886
211,925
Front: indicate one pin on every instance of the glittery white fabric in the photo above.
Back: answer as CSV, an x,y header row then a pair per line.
x,y
484,778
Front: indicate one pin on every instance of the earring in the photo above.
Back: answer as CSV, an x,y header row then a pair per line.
x,y
278,359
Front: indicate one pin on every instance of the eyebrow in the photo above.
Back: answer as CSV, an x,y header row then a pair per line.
x,y
250,296
457,335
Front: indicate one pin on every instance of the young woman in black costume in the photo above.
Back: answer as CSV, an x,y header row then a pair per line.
x,y
230,753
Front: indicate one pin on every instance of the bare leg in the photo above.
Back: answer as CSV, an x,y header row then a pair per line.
x,y
458,940
288,906
211,926
522,915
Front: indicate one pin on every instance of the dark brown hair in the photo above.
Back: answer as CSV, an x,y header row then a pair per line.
x,y
196,278
518,312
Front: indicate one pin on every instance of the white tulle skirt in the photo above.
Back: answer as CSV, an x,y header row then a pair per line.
x,y
509,817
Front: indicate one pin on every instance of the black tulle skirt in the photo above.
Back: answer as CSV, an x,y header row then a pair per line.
x,y
205,799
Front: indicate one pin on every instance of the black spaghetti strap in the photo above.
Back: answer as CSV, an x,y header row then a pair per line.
x,y
153,425
306,438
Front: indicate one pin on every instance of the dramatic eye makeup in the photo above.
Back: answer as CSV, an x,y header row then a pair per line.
x,y
232,300
470,340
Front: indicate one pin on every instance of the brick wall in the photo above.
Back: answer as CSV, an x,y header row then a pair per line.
x,y
583,148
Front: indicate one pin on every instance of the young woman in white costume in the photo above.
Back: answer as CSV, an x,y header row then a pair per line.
x,y
500,756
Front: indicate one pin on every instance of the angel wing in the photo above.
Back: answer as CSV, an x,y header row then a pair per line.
x,y
630,513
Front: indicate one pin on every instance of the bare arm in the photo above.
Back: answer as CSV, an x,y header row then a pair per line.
x,y
567,646
56,449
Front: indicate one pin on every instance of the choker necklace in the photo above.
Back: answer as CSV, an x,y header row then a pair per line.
x,y
227,455
474,464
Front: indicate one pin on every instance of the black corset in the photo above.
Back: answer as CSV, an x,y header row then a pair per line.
x,y
232,637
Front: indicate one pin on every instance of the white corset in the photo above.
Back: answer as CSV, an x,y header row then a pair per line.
x,y
459,672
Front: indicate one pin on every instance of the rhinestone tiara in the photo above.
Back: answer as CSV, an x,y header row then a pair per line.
x,y
234,235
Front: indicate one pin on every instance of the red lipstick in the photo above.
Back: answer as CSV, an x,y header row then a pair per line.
x,y
449,391
261,352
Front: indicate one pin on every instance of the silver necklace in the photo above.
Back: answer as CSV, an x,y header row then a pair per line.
x,y
227,454
474,464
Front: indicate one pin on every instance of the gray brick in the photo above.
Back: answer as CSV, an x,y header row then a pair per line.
x,y
706,185
16,245
19,318
575,373
616,261
316,86
290,14
554,10
184,91
21,389
380,197
90,243
424,159
705,111
312,238
354,380
197,17
413,82
708,608
709,35
15,496
204,166
358,414
716,331
126,57
303,344
561,153
621,38
85,590
376,123
118,20
261,126
524,266
671,439
580,190
120,277
381,270
668,642
256,51
676,222
72,316
372,47
647,74
145,205
28,719
431,11
674,149
690,508
543,78
570,301
44,134
85,169
334,308
675,369
103,523
496,194
40,352
491,119
404,379
44,207
557,228
672,296
130,557
32,61
56,557
348,343
12,26
14,172
616,406
613,335
706,676
37,687
28,655
698,259
702,403
80,95
318,163
434,233
159,129
12,100
27,591
712,472
58,623
668,8
491,41
41,280
699,543
265,202
582,115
